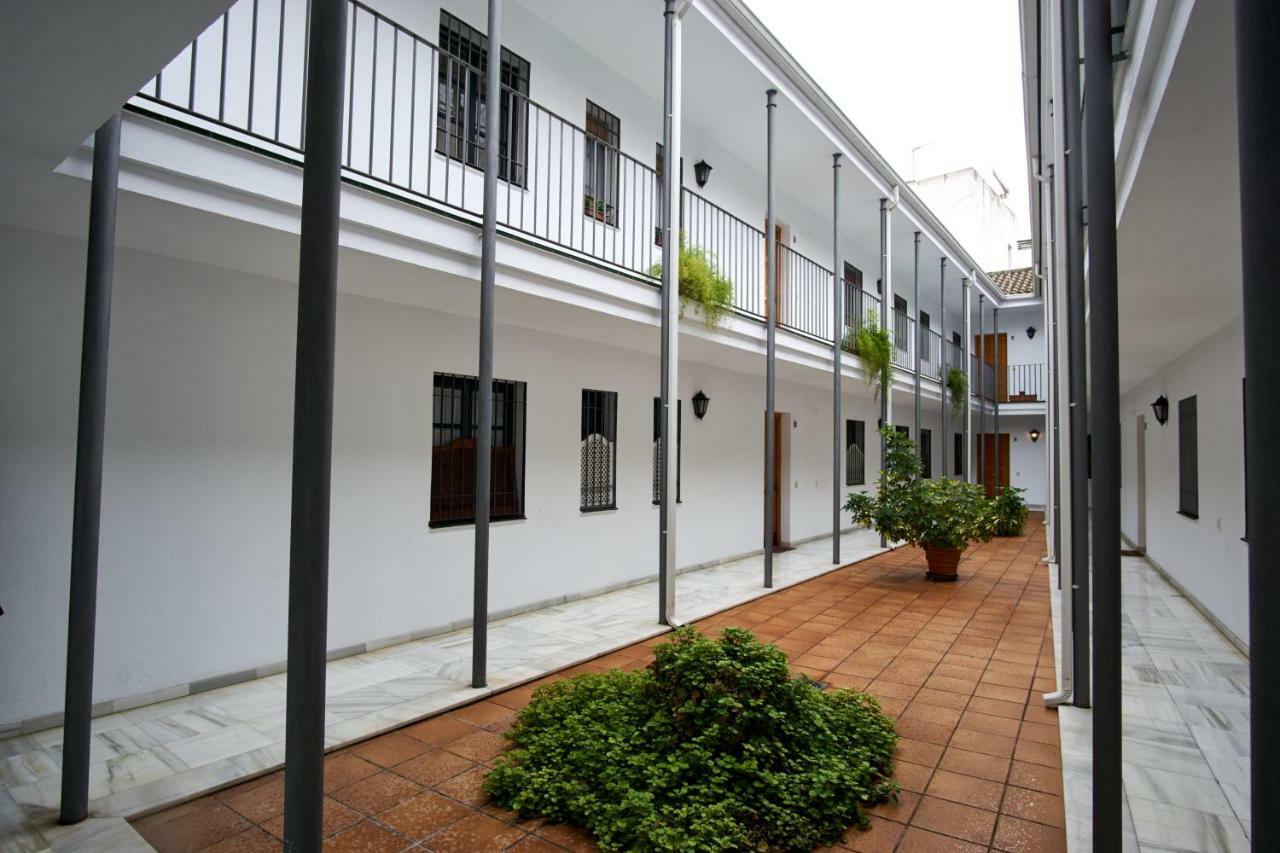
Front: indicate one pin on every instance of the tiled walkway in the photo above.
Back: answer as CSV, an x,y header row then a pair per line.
x,y
1186,728
171,751
959,665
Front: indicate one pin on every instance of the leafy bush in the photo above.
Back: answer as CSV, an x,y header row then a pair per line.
x,y
934,513
701,282
713,747
958,386
872,344
1008,512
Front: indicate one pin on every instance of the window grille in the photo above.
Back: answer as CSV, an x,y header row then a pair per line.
x,y
855,461
600,165
453,450
957,463
657,448
926,453
599,450
460,125
1188,459
852,296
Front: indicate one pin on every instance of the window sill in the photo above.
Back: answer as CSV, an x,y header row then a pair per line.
x,y
469,522
1192,516
587,510
658,503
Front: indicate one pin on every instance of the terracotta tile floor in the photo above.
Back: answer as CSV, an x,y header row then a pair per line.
x,y
961,666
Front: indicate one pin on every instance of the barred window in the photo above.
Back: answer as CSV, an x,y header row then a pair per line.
x,y
657,449
600,165
599,450
926,453
460,125
855,459
852,296
1188,459
957,464
453,450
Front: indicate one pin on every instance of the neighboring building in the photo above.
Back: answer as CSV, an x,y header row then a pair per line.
x,y
975,207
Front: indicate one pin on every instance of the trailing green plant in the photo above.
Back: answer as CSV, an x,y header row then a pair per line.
x,y
958,388
713,747
872,344
1008,512
701,282
933,513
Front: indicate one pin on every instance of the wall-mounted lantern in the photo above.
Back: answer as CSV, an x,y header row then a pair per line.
x,y
1160,408
700,402
1031,332
1034,435
702,172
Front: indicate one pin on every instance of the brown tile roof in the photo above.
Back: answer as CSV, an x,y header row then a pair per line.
x,y
1015,282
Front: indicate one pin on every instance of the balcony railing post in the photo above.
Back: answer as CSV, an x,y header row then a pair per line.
x,y
837,321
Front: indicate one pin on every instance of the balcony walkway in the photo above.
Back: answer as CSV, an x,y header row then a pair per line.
x,y
960,665
164,753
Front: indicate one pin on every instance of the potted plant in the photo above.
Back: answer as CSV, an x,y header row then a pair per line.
x,y
872,344
1008,512
958,387
942,516
596,208
702,283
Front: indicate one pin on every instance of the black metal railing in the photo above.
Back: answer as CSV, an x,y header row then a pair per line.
x,y
1024,384
804,294
736,247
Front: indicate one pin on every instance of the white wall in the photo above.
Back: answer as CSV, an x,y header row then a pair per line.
x,y
1205,555
194,543
978,215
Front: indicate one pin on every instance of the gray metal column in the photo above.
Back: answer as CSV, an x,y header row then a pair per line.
x,y
668,432
942,360
87,502
967,336
837,335
771,310
995,393
885,308
915,302
982,400
313,428
1104,407
1077,370
1258,91
484,393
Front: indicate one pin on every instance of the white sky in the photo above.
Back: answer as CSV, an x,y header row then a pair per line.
x,y
942,74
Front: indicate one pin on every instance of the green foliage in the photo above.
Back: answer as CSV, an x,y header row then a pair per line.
x,y
936,513
701,282
872,344
958,387
1008,512
713,747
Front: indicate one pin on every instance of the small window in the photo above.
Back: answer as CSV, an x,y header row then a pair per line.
x,y
903,429
853,307
900,322
957,464
855,460
1188,464
657,451
453,450
599,438
926,453
600,165
956,339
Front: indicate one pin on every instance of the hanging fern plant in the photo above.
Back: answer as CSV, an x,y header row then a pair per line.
x,y
958,386
702,283
873,346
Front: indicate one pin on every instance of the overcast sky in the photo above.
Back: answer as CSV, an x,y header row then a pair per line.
x,y
939,76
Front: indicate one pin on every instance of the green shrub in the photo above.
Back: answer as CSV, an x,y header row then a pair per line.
x,y
935,513
958,386
713,747
1008,512
872,344
701,282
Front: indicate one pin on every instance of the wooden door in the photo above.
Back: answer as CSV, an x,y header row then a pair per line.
x,y
777,479
995,352
989,463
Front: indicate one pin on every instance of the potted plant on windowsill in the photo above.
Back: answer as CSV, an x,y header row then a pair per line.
x,y
597,208
942,516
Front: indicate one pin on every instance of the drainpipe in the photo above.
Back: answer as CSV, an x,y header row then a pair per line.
x,y
995,392
484,395
313,429
837,336
1258,91
915,302
771,310
87,503
982,400
1104,404
942,361
886,305
967,367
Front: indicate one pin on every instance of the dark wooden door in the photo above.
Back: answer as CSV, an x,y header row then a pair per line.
x,y
989,462
777,479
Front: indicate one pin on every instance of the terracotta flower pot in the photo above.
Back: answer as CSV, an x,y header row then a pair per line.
x,y
942,562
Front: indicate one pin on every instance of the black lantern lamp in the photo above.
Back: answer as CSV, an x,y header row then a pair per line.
x,y
1161,409
700,402
702,171
1031,332
1035,435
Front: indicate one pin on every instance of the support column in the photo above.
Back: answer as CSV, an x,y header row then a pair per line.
x,y
915,302
1104,405
668,434
1077,372
87,503
967,332
995,392
484,395
1258,91
837,336
771,291
942,355
982,400
313,428
886,306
